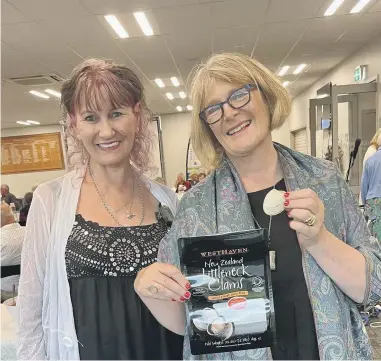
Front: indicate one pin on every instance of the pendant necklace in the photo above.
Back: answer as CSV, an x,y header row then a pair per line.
x,y
273,204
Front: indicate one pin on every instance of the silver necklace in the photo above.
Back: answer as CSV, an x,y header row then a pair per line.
x,y
129,215
108,208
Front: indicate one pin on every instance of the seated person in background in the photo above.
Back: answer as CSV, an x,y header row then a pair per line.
x,y
193,179
201,177
180,181
371,191
12,237
25,210
8,197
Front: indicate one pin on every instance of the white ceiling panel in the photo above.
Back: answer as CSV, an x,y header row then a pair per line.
x,y
75,29
102,7
240,40
184,19
376,6
104,50
11,15
289,10
237,13
43,9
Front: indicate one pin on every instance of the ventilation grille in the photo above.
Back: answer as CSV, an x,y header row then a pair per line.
x,y
44,79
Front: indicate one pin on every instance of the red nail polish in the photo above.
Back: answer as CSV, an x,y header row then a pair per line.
x,y
187,295
286,202
182,299
286,195
173,300
188,286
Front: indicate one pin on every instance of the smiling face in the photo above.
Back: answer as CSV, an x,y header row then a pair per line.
x,y
108,134
240,131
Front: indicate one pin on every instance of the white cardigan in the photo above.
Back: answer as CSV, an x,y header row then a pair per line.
x,y
47,329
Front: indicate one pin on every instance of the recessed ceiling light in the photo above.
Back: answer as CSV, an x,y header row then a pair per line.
x,y
321,96
285,83
38,94
333,7
299,69
22,122
359,6
169,96
159,83
143,23
175,81
33,122
284,70
117,26
182,95
189,107
53,92
179,109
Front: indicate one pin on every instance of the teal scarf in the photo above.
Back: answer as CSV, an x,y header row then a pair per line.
x,y
220,205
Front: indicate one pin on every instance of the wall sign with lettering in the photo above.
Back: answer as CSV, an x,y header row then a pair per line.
x,y
31,153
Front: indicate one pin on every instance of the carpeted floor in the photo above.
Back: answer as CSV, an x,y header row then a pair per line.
x,y
375,338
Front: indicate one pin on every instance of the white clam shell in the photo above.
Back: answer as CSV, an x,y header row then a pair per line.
x,y
274,202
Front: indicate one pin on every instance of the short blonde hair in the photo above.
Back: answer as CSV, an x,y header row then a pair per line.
x,y
376,140
237,69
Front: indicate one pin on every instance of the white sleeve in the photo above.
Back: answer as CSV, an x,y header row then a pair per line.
x,y
30,295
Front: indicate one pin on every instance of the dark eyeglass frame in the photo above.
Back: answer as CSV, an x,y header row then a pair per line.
x,y
249,87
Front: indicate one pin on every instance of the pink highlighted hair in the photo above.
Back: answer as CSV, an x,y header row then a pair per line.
x,y
102,84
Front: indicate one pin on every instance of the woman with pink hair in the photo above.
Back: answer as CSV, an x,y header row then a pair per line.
x,y
90,231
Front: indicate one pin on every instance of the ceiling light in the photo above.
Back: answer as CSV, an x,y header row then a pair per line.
x,y
117,26
38,94
299,68
53,92
189,107
179,109
321,96
359,6
169,96
285,84
143,23
33,122
182,95
159,83
333,7
284,70
175,81
22,123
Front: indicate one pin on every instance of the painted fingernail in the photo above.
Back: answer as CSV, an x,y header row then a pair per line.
x,y
187,295
182,299
286,195
173,300
188,286
286,202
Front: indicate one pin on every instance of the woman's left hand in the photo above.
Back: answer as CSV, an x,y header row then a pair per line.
x,y
303,206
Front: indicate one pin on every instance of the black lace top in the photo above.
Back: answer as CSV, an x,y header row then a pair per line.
x,y
110,319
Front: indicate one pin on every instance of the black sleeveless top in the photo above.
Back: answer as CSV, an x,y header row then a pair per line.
x,y
111,321
295,328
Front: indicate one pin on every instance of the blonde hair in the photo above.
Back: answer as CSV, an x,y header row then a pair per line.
x,y
376,140
237,69
99,83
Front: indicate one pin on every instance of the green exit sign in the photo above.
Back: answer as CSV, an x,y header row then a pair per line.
x,y
361,73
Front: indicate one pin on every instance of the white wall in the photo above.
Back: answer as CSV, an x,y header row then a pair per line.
x,y
21,183
343,74
176,133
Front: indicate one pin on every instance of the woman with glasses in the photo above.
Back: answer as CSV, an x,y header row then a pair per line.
x,y
326,260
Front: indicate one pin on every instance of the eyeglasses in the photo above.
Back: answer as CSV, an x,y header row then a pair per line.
x,y
238,99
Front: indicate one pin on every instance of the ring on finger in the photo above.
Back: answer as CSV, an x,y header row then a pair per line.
x,y
153,289
311,220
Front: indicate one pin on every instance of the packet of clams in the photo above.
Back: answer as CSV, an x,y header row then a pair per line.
x,y
231,307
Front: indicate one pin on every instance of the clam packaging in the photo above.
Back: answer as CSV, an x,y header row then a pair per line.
x,y
231,307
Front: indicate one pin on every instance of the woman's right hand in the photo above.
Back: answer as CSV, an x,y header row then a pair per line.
x,y
162,281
